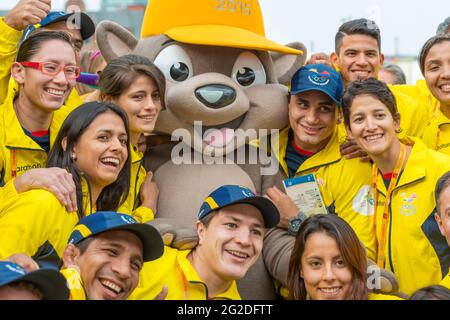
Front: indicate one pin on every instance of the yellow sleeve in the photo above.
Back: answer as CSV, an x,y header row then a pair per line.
x,y
347,189
446,281
31,220
140,214
7,191
9,38
414,116
143,214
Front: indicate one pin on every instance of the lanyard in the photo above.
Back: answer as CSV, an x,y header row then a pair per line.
x,y
438,136
13,163
381,258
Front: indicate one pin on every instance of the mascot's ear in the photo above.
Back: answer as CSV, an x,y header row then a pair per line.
x,y
113,40
286,64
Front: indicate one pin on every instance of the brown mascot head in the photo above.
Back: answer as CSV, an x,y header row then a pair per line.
x,y
223,76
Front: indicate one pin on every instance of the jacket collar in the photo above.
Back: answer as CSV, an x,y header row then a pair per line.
x,y
330,154
15,137
192,276
136,156
415,168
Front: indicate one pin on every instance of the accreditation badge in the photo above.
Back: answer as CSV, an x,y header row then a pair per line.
x,y
305,193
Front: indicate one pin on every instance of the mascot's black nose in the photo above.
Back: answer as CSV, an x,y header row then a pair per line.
x,y
216,95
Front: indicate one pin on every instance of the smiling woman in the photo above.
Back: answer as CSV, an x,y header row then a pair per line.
x,y
34,114
92,147
328,262
137,86
404,174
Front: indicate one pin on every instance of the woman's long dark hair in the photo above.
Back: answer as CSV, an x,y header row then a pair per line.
x,y
351,249
113,195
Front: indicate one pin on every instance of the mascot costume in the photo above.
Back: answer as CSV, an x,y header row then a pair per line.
x,y
224,90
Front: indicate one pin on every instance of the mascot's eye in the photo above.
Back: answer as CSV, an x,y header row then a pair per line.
x,y
175,63
248,70
179,71
245,77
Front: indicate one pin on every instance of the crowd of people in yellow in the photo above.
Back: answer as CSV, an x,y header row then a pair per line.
x,y
76,201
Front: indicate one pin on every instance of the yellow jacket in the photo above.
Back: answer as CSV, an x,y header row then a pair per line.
x,y
416,252
35,223
131,205
379,296
446,281
419,92
175,271
344,184
437,135
18,152
75,284
9,38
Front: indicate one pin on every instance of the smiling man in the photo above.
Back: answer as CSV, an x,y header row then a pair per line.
x,y
358,56
105,254
442,215
231,227
310,147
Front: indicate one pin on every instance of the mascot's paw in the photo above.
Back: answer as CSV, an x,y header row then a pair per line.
x,y
381,280
185,239
165,228
175,236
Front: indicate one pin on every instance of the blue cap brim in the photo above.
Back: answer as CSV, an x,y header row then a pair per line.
x,y
316,89
87,27
51,283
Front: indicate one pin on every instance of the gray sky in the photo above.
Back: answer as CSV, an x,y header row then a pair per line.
x,y
315,22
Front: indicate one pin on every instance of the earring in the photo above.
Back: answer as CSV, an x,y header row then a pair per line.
x,y
73,156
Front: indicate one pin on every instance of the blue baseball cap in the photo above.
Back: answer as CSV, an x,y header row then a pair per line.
x,y
86,25
102,221
50,282
232,194
318,77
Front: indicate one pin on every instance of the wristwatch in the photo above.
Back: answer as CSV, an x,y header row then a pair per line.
x,y
295,223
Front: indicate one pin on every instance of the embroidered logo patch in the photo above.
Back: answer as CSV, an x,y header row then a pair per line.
x,y
363,202
408,207
319,79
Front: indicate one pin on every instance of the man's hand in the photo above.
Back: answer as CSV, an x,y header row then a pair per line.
x,y
27,12
351,150
55,180
285,205
149,193
24,260
320,58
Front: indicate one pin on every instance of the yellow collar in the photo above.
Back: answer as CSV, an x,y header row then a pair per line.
x,y
136,156
415,168
15,137
192,277
330,154
75,284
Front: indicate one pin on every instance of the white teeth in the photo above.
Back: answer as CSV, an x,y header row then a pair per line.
x,y
445,88
111,286
330,290
146,117
238,254
55,92
110,160
373,137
